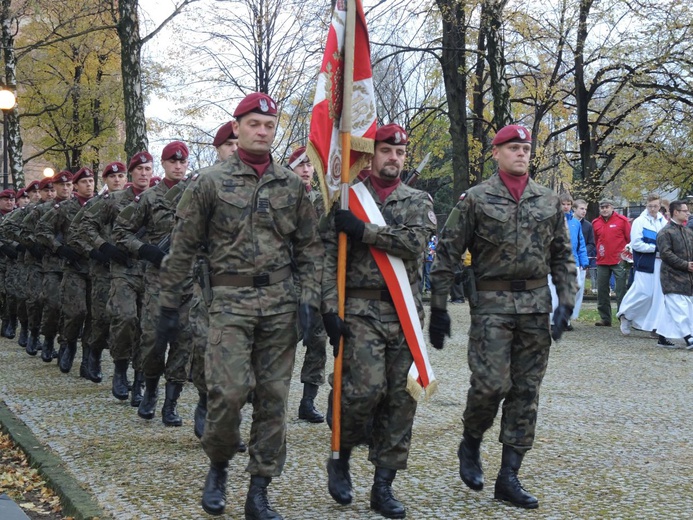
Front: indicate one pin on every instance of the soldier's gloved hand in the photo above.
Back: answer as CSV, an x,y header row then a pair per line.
x,y
151,253
68,253
346,221
167,329
98,256
308,318
335,328
36,251
9,251
113,253
20,248
439,327
561,318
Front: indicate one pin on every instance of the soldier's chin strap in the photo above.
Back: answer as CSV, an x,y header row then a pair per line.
x,y
421,380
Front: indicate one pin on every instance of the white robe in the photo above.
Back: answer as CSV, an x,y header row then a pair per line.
x,y
679,316
643,304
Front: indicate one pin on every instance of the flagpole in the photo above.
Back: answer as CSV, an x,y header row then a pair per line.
x,y
345,135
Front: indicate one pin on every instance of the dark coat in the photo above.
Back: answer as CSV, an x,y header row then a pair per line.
x,y
675,245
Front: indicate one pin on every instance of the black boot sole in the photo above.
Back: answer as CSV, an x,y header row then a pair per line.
x,y
213,512
387,515
503,498
476,486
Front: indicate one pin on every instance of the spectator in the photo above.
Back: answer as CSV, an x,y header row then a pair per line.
x,y
430,256
579,212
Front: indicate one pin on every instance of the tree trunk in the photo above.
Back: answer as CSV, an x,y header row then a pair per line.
x,y
14,141
131,67
454,66
479,129
491,25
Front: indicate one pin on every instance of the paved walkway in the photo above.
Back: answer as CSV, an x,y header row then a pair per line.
x,y
614,440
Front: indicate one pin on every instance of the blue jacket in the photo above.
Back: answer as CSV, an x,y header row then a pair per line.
x,y
577,240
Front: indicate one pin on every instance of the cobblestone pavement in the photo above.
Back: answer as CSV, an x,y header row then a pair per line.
x,y
614,439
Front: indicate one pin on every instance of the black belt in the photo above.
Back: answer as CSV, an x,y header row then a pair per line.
x,y
511,285
382,295
247,280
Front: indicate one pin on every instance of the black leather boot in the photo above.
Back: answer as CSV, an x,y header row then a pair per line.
x,y
83,366
137,389
382,499
48,347
307,411
61,350
151,393
508,486
339,478
3,328
94,365
257,506
214,493
68,356
200,414
470,462
119,386
11,330
23,339
169,414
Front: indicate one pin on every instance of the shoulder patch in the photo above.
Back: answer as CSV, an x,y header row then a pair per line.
x,y
432,217
137,198
194,177
106,195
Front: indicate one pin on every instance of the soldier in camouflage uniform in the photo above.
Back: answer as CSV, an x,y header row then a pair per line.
x,y
75,287
154,212
377,357
313,369
33,258
255,217
516,234
8,259
51,319
126,292
115,177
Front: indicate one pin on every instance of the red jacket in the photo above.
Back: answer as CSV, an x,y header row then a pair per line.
x,y
611,237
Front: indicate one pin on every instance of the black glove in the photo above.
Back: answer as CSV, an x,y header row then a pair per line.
x,y
335,328
439,327
36,251
113,253
561,318
68,253
98,256
20,248
151,253
167,329
345,220
9,251
307,317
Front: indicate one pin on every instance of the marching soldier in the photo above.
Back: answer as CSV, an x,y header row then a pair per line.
x,y
225,141
8,256
255,217
153,211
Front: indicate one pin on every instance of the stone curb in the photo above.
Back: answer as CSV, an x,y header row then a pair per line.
x,y
74,499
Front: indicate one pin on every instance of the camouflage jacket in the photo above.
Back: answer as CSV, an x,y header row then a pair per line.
x,y
52,232
50,261
410,221
74,239
253,226
508,240
96,226
675,245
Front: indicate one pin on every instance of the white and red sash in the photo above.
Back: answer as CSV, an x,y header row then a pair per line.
x,y
420,380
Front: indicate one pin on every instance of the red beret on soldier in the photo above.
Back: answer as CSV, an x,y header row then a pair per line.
x,y
33,186
512,134
62,177
297,153
392,134
7,194
175,150
22,193
224,133
154,181
114,167
83,173
46,182
142,157
257,102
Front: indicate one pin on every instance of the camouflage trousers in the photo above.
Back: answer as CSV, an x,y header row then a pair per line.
x,y
12,288
100,319
374,388
124,308
50,295
199,326
155,361
34,298
249,354
313,369
22,292
507,355
75,290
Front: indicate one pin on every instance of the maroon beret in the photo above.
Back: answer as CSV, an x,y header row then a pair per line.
x,y
392,134
257,102
7,194
154,181
83,173
512,134
62,177
142,157
175,150
33,186
114,167
297,153
46,182
22,193
224,133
